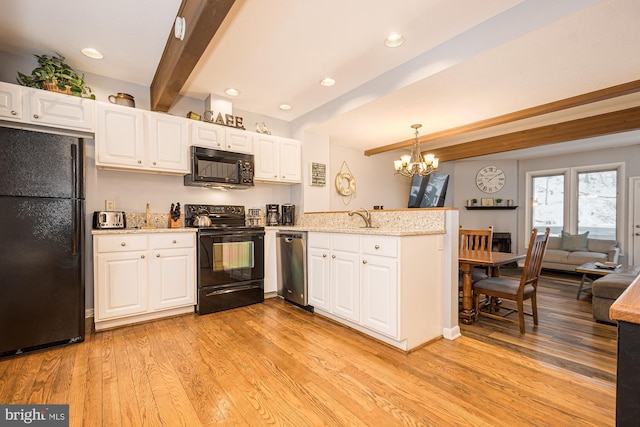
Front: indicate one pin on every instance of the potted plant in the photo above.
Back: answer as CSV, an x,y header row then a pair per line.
x,y
499,202
474,202
55,75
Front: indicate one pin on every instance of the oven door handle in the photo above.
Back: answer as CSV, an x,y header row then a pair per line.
x,y
229,290
243,233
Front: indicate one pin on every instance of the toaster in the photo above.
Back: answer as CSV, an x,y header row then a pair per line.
x,y
109,219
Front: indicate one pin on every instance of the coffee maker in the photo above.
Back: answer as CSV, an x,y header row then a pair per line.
x,y
288,216
273,215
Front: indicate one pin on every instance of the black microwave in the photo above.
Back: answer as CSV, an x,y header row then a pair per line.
x,y
219,169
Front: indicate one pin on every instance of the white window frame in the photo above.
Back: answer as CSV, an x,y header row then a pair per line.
x,y
570,220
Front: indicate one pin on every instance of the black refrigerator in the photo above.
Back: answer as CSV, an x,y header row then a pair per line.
x,y
41,240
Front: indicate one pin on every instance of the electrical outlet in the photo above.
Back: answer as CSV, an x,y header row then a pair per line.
x,y
110,205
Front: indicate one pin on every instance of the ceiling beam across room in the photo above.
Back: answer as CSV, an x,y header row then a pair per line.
x,y
563,104
203,18
602,124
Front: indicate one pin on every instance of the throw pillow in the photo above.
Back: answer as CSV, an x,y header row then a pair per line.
x,y
574,242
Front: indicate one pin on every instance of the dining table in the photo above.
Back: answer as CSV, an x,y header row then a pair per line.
x,y
467,259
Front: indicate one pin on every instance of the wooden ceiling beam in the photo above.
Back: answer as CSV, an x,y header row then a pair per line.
x,y
603,124
203,18
563,104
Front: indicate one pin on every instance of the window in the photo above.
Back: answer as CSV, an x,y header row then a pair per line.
x,y
548,203
576,200
597,205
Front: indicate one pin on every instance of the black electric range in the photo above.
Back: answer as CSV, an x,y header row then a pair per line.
x,y
230,258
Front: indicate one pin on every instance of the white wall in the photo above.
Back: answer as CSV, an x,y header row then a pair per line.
x,y
376,183
463,183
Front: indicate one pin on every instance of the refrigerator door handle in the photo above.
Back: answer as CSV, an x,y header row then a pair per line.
x,y
77,234
74,170
74,230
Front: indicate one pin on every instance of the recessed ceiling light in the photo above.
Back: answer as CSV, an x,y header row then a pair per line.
x,y
327,81
394,40
91,53
285,107
232,92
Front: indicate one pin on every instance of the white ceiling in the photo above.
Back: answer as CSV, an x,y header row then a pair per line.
x,y
463,60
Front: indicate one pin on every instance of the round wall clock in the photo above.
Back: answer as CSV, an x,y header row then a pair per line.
x,y
490,179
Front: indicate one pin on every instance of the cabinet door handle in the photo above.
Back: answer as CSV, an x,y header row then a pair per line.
x,y
154,163
324,255
174,242
333,256
13,112
364,261
35,116
123,244
377,246
157,255
142,256
139,161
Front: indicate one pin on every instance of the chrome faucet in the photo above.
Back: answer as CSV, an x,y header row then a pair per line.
x,y
366,217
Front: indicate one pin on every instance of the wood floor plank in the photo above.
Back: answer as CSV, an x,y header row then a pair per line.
x,y
79,385
129,413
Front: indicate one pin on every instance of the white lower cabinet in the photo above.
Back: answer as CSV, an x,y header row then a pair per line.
x,y
379,294
319,270
377,284
345,276
143,276
270,263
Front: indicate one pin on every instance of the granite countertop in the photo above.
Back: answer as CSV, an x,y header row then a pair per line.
x,y
144,230
362,230
627,307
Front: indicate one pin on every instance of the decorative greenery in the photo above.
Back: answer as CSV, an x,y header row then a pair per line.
x,y
498,201
53,70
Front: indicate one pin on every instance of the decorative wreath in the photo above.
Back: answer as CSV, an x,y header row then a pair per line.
x,y
345,184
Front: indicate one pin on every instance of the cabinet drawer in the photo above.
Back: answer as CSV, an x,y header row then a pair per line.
x,y
377,245
319,240
345,242
121,243
172,240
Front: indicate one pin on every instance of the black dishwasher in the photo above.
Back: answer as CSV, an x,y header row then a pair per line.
x,y
292,267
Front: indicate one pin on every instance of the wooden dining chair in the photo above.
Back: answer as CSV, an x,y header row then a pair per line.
x,y
515,290
477,240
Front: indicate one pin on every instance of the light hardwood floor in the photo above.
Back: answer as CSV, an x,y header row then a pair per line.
x,y
274,364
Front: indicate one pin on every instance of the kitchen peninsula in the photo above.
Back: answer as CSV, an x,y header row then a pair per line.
x,y
395,281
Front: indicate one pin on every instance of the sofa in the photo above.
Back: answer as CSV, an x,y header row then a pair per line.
x,y
605,291
569,251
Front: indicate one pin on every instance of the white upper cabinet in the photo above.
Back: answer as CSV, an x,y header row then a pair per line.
x,y
10,101
58,110
267,158
277,159
290,160
238,140
168,143
208,135
141,140
120,137
41,107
